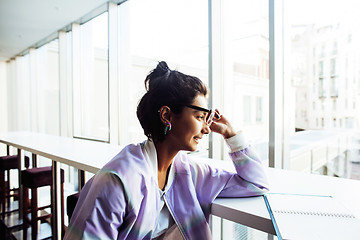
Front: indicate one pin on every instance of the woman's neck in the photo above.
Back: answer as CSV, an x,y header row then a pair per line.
x,y
165,155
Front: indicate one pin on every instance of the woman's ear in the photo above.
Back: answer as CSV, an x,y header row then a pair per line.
x,y
165,115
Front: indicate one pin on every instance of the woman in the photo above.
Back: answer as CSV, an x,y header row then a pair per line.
x,y
152,190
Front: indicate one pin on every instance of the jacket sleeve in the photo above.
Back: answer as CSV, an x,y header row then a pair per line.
x,y
100,210
246,178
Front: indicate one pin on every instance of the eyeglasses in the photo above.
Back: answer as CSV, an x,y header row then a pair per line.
x,y
211,114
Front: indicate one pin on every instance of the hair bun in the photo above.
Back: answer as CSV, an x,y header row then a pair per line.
x,y
161,72
162,66
162,69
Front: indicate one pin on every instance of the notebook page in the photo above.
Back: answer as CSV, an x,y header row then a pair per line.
x,y
312,217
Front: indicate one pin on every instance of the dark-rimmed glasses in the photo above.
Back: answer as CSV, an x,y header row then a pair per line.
x,y
210,116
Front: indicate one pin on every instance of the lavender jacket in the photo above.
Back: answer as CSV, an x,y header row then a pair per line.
x,y
121,200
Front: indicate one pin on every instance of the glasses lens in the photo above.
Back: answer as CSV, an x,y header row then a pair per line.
x,y
210,117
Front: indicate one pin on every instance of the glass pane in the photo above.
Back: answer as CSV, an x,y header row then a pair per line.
x,y
241,232
91,114
323,61
162,34
246,76
23,108
47,82
245,56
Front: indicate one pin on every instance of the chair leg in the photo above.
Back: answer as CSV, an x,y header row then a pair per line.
x,y
34,206
2,193
62,212
53,214
25,211
62,207
8,187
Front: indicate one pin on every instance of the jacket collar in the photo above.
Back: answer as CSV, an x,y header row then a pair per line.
x,y
151,157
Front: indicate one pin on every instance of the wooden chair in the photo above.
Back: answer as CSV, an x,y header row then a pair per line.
x,y
6,193
33,179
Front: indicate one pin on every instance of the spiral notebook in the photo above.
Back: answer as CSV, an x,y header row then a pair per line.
x,y
311,217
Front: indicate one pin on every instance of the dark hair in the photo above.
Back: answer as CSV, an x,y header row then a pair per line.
x,y
165,87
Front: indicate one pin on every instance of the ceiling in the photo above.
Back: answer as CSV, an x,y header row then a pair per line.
x,y
24,23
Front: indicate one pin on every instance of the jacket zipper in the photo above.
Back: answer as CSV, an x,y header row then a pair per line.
x,y
176,222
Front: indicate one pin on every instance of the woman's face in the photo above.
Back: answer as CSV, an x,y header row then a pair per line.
x,y
189,127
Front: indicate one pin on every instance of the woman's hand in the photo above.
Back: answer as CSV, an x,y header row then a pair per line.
x,y
222,126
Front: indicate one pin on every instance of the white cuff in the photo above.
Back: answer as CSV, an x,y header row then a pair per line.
x,y
237,142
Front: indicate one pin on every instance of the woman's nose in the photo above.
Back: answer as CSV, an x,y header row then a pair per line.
x,y
205,129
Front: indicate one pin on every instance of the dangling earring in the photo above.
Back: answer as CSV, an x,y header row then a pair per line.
x,y
167,128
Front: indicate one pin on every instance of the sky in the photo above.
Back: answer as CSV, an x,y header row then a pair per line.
x,y
322,12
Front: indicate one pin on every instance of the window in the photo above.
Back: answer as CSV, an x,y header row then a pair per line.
x,y
322,49
246,110
173,32
333,78
90,82
327,40
335,48
46,100
321,72
322,90
21,96
246,67
241,52
259,110
321,69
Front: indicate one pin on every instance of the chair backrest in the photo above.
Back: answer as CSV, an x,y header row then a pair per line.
x,y
71,203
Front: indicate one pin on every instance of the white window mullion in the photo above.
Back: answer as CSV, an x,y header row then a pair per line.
x,y
215,72
124,66
216,79
113,74
276,87
65,81
63,85
34,91
69,84
76,74
288,94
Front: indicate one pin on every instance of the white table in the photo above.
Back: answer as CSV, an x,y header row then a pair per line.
x,y
252,212
91,156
